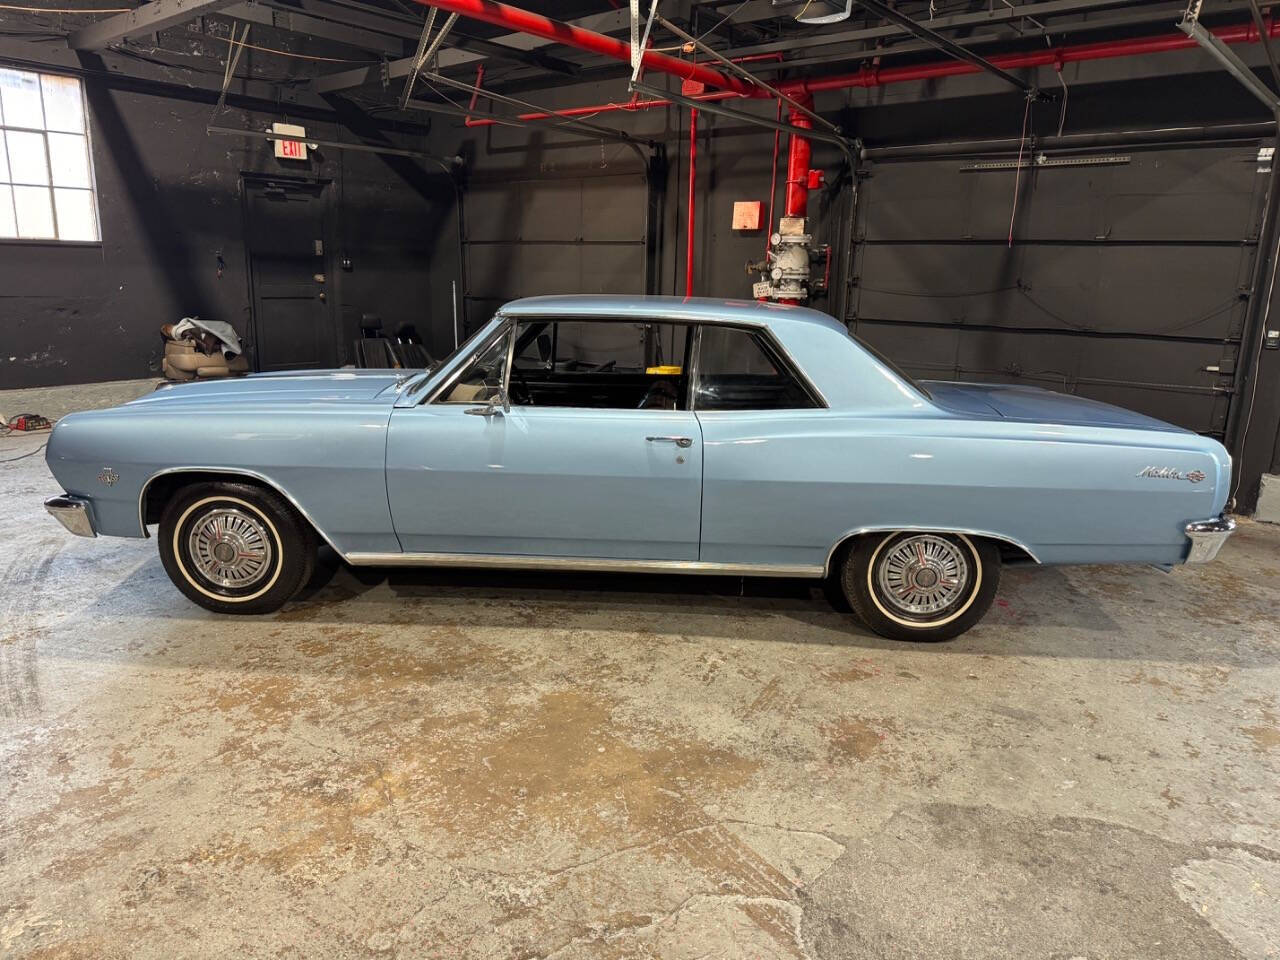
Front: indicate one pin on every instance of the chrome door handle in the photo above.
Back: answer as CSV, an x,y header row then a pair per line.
x,y
678,441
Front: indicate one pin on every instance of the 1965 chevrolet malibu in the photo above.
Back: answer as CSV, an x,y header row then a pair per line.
x,y
643,435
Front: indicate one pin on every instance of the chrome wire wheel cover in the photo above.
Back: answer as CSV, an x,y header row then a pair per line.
x,y
230,548
923,575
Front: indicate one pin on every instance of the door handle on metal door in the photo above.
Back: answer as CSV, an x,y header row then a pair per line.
x,y
678,441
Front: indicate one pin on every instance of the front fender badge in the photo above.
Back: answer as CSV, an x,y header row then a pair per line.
x,y
108,477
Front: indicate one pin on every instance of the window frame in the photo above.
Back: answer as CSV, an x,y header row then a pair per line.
x,y
774,351
44,132
505,329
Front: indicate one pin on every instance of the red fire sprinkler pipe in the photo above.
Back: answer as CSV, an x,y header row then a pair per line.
x,y
688,245
535,24
1159,43
797,202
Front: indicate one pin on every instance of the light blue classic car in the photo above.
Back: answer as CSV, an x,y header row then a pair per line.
x,y
643,435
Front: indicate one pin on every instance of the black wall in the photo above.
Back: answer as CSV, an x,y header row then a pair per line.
x,y
170,205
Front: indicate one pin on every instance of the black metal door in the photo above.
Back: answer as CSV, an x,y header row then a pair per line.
x,y
294,326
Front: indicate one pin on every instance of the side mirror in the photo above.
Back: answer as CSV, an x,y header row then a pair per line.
x,y
494,408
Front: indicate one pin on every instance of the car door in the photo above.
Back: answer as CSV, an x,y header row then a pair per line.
x,y
466,476
766,495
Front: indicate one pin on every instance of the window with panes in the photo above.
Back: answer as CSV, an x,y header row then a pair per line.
x,y
47,190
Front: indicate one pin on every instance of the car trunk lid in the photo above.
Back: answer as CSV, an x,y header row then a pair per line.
x,y
1035,405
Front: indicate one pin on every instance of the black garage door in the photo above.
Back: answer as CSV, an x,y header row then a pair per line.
x,y
531,237
1124,282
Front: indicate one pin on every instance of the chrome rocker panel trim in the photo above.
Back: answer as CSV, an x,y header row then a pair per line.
x,y
596,564
72,513
1207,537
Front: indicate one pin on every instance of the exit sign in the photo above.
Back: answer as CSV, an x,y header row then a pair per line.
x,y
289,149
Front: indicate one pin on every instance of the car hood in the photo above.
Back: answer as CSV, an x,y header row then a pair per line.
x,y
1034,405
301,386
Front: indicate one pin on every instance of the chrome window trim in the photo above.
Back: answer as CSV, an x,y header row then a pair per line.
x,y
773,346
230,472
596,564
418,395
506,326
775,353
966,531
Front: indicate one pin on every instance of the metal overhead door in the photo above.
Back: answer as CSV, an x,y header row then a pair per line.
x,y
552,236
1124,282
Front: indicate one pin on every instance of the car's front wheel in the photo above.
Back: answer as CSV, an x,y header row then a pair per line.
x,y
235,547
921,586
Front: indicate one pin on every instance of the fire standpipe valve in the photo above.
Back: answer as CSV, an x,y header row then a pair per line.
x,y
786,271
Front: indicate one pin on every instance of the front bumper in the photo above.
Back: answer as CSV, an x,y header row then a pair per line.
x,y
72,513
1207,538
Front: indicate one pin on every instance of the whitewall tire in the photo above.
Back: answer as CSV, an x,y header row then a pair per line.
x,y
235,547
920,585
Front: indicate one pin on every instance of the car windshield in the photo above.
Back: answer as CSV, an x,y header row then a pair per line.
x,y
417,379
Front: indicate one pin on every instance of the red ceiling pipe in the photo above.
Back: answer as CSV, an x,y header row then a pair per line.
x,y
633,104
603,108
688,244
524,21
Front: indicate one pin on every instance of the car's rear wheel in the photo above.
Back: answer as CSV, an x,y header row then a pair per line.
x,y
920,586
235,547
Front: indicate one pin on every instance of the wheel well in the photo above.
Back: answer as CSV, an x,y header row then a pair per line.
x,y
1010,552
162,489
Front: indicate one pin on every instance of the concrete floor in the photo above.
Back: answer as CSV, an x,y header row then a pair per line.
x,y
490,765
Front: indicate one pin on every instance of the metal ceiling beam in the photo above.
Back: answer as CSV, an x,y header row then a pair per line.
x,y
356,18
1156,13
945,44
148,18
999,15
1266,41
336,144
301,23
1190,25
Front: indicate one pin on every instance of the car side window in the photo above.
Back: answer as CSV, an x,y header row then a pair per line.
x,y
738,371
481,381
601,364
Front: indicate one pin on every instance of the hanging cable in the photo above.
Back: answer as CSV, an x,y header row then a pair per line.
x,y
1017,170
6,6
1066,92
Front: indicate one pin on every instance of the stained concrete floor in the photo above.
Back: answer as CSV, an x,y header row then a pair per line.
x,y
491,765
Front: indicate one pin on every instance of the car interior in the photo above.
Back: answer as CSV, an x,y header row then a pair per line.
x,y
625,365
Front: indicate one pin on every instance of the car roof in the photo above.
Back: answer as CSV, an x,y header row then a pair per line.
x,y
700,309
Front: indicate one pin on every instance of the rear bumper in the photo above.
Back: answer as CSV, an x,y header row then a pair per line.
x,y
72,513
1207,538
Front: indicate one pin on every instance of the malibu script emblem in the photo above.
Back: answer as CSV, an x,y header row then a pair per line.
x,y
1169,473
108,476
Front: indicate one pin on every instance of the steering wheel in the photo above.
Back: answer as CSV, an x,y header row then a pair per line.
x,y
517,378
